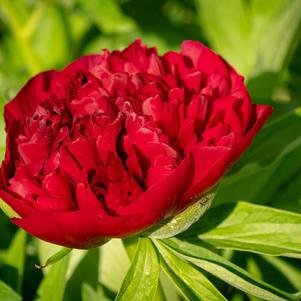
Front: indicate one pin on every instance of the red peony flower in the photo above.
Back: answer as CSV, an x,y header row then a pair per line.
x,y
116,142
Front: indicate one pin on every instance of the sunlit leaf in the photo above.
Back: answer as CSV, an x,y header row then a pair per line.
x,y
189,280
89,294
51,26
13,268
84,271
257,229
53,284
182,221
248,33
227,271
9,211
46,250
7,294
114,264
55,258
141,280
108,16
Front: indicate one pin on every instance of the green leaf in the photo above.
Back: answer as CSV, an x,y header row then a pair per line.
x,y
89,294
55,258
86,271
227,271
130,245
275,150
53,284
7,294
253,29
169,289
46,250
257,229
231,37
237,297
16,27
2,132
272,55
13,268
292,273
182,221
9,211
160,294
52,24
189,280
273,139
108,16
253,268
114,264
142,279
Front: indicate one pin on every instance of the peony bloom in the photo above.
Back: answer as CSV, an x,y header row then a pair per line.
x,y
116,142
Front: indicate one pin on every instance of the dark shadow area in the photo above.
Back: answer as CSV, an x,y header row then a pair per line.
x,y
152,17
31,279
261,87
10,275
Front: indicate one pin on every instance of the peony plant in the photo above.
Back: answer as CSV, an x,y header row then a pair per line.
x,y
119,141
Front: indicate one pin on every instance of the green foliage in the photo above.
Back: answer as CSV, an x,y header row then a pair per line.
x,y
14,258
53,285
275,150
225,270
259,38
7,294
141,280
257,229
114,264
252,28
55,258
190,281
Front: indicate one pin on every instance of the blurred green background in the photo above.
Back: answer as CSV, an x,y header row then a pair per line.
x,y
260,38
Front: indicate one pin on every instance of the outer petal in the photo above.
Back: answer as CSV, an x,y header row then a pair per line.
x,y
260,115
90,227
210,163
17,204
86,63
82,229
26,101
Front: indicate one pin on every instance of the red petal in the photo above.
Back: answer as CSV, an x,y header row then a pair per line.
x,y
210,163
260,114
86,63
57,186
48,203
86,198
162,197
203,58
26,101
84,151
82,229
24,185
20,205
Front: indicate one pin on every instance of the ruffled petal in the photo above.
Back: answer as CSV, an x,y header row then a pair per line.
x,y
26,101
